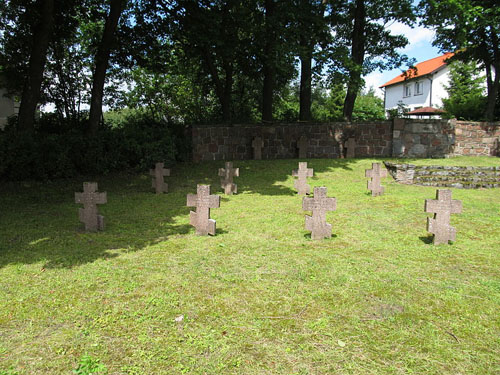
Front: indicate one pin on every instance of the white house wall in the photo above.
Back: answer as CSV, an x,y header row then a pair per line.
x,y
394,94
441,80
7,108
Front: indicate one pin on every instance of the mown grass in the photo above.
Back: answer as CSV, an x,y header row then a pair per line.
x,y
148,296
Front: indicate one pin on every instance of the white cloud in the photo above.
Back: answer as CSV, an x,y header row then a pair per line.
x,y
416,36
374,80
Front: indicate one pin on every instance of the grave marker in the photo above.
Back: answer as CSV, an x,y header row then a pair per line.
x,y
301,183
442,208
89,214
257,145
350,146
226,180
319,205
203,202
157,181
376,173
303,144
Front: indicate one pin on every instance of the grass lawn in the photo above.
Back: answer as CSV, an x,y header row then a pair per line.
x,y
148,296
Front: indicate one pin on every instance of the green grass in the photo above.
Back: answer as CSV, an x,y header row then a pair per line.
x,y
148,296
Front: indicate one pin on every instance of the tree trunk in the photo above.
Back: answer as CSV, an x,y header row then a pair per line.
x,y
269,69
228,90
493,82
31,90
493,89
305,86
101,64
223,91
357,58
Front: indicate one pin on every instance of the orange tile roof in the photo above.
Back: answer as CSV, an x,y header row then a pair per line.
x,y
422,69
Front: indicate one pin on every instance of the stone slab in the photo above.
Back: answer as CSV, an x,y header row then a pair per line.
x,y
89,214
227,174
203,202
442,208
301,183
319,204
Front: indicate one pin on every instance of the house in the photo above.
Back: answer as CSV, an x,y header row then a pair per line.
x,y
419,87
8,107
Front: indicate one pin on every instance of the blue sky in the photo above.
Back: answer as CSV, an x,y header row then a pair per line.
x,y
419,47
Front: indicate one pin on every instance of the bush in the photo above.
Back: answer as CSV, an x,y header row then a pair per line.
x,y
56,150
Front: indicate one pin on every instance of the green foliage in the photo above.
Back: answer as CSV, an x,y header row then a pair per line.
x,y
327,104
466,100
9,372
368,107
53,150
471,29
90,366
400,111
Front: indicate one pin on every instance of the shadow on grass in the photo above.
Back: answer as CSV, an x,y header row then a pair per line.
x,y
308,236
427,239
266,177
39,221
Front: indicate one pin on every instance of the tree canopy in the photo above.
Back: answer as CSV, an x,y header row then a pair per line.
x,y
471,28
188,61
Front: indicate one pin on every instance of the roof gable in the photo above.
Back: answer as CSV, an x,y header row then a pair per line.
x,y
423,68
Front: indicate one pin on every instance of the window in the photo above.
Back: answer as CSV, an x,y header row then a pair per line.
x,y
406,91
419,88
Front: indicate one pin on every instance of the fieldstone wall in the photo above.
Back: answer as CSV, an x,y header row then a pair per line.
x,y
477,138
423,138
419,138
445,176
326,140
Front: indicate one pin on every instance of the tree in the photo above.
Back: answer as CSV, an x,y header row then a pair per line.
x,y
466,100
311,30
101,63
33,24
471,28
363,42
368,107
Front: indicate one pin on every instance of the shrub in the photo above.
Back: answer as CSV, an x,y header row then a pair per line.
x,y
59,150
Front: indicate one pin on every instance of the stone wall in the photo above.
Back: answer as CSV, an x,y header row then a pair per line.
x,y
326,140
477,138
410,138
445,176
423,138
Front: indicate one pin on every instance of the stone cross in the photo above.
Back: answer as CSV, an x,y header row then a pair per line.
x,y
257,145
319,205
89,214
376,173
301,183
302,144
442,208
157,182
203,202
226,181
350,144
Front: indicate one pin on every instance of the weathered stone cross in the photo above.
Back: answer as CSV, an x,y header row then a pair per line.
x,y
319,205
303,144
350,145
227,175
257,145
442,208
157,182
376,173
89,214
301,183
203,202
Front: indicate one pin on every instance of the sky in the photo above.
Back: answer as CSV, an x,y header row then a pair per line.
x,y
419,47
